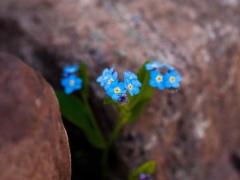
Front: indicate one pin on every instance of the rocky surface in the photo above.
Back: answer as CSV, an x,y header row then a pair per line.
x,y
33,141
193,134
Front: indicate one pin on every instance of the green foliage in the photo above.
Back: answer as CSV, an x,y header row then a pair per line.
x,y
147,168
80,115
137,103
108,101
83,73
130,111
78,111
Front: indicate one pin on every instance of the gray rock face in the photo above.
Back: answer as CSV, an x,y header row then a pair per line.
x,y
33,141
193,134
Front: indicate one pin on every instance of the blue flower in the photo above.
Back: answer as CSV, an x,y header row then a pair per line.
x,y
107,78
71,83
145,177
71,69
152,65
131,82
116,90
157,80
172,79
130,75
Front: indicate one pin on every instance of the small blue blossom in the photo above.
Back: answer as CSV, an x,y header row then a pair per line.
x,y
152,65
71,83
71,69
131,82
130,75
145,177
116,91
107,78
172,79
157,80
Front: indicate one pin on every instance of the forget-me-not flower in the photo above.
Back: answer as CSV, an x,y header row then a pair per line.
x,y
129,75
157,80
70,69
131,82
71,83
107,77
152,65
172,79
116,90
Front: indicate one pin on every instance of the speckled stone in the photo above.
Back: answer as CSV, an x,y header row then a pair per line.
x,y
192,134
33,141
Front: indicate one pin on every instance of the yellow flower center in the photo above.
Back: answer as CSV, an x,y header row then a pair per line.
x,y
117,90
172,79
130,86
71,82
159,78
110,81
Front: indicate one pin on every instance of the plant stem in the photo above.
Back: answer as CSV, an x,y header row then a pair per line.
x,y
123,119
121,122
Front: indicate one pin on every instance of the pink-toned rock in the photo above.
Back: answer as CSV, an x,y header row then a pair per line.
x,y
33,141
193,134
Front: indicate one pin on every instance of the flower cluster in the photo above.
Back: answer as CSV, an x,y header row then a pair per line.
x,y
163,76
70,81
116,89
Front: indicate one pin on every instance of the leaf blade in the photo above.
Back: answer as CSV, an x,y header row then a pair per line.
x,y
77,113
147,168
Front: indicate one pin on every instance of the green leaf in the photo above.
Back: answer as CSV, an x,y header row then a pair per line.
x,y
80,115
83,73
137,103
147,168
107,100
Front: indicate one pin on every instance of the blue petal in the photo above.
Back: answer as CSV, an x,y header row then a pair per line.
x,y
161,86
68,90
135,91
115,97
152,65
70,69
148,67
99,79
115,75
64,82
78,81
153,83
154,74
107,74
137,83
78,86
129,75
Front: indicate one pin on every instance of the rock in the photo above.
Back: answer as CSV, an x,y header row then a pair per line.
x,y
33,141
193,134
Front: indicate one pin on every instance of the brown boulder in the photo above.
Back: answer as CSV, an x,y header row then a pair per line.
x,y
33,141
